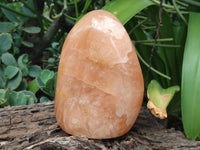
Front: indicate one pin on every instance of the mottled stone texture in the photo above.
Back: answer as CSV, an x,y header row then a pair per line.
x,y
100,87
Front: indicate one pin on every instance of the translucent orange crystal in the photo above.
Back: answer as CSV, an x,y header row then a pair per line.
x,y
99,88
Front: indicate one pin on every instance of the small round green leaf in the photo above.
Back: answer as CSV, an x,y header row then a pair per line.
x,y
15,82
8,59
34,71
32,30
44,99
6,42
10,72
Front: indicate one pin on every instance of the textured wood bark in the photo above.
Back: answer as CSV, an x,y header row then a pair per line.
x,y
35,127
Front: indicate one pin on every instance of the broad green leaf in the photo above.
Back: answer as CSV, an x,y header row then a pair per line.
x,y
5,42
190,96
32,30
125,10
31,96
7,26
28,44
34,71
10,72
8,59
15,81
33,86
46,75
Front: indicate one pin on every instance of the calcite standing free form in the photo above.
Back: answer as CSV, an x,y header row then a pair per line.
x,y
99,88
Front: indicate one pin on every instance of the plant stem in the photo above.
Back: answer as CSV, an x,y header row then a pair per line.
x,y
181,3
164,5
139,24
161,45
76,8
151,68
152,40
192,2
17,12
155,40
179,13
85,8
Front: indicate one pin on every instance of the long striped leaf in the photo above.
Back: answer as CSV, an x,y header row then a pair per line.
x,y
190,96
124,10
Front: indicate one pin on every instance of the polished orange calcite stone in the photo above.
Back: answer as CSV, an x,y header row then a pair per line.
x,y
99,88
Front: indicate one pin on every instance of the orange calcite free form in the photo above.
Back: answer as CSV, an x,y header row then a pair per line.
x,y
99,88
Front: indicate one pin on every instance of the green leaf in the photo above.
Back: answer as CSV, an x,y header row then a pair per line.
x,y
8,59
4,96
17,98
21,99
31,96
10,72
32,30
6,42
190,96
28,44
22,60
34,71
33,86
7,26
10,15
46,75
22,86
23,64
15,81
125,10
44,99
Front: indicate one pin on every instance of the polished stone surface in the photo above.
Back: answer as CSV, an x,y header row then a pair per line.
x,y
99,88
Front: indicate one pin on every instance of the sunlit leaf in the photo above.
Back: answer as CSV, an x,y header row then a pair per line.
x,y
125,10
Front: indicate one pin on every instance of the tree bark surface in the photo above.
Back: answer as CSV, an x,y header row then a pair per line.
x,y
35,127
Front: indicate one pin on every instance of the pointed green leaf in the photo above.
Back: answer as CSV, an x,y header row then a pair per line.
x,y
28,44
190,96
32,30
